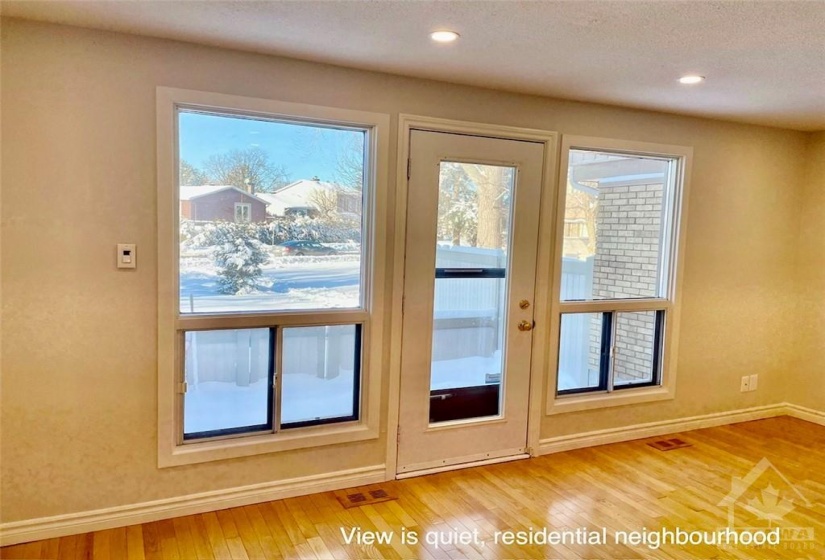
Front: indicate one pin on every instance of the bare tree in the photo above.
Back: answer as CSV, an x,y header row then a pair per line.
x,y
457,205
492,182
190,175
325,200
349,165
249,169
584,206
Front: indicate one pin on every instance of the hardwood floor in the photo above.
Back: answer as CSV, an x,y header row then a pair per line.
x,y
628,487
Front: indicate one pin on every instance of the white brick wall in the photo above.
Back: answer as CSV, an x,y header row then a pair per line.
x,y
626,265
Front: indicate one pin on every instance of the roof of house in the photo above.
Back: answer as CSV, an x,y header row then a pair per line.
x,y
192,192
308,184
269,198
613,171
297,194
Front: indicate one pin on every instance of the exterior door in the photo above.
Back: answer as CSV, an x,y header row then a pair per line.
x,y
472,228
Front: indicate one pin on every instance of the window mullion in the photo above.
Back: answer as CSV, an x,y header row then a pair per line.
x,y
607,352
276,360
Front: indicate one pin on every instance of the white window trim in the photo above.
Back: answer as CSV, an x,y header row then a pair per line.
x,y
560,404
248,207
170,450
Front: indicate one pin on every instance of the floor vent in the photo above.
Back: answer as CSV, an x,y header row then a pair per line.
x,y
355,497
669,444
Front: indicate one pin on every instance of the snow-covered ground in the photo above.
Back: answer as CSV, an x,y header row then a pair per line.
x,y
464,372
288,283
295,283
215,406
220,405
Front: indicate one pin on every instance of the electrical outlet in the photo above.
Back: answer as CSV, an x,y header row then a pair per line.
x,y
746,383
753,382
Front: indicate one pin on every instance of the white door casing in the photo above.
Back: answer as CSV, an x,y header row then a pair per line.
x,y
422,444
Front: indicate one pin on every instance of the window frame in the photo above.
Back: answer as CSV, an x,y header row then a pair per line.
x,y
172,324
670,282
243,206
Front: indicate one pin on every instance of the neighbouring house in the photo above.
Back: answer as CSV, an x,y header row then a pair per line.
x,y
221,202
313,197
615,208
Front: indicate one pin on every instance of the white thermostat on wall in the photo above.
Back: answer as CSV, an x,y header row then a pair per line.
x,y
126,257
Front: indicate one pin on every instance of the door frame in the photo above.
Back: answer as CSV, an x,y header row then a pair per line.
x,y
546,248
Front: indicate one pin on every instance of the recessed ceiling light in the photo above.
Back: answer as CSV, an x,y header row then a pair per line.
x,y
691,79
444,36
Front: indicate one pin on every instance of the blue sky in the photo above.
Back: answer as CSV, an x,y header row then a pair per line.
x,y
304,151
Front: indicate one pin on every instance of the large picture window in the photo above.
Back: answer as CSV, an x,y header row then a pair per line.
x,y
271,214
616,290
272,261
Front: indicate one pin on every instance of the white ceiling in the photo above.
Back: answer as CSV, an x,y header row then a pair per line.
x,y
764,60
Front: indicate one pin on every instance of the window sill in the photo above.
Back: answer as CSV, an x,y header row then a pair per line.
x,y
577,403
245,446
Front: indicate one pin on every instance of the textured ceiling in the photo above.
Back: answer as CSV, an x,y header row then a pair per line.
x,y
764,61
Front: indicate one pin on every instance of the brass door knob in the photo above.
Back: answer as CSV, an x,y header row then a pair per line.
x,y
526,326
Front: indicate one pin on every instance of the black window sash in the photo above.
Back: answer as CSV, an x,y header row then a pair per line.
x,y
268,426
605,357
470,272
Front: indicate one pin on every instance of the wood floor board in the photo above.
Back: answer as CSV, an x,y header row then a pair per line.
x,y
65,550
217,540
151,541
101,549
279,537
623,487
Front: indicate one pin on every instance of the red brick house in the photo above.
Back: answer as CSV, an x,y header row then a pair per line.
x,y
220,202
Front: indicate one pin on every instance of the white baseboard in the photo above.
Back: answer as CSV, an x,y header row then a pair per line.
x,y
809,414
651,429
74,523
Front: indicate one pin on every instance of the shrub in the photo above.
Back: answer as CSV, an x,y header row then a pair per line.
x,y
238,256
194,235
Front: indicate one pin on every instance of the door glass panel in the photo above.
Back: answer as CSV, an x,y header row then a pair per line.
x,y
469,311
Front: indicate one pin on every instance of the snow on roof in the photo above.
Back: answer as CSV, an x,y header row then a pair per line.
x,y
306,184
269,198
190,192
298,194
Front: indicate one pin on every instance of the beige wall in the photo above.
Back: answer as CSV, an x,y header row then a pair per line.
x,y
79,353
809,387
